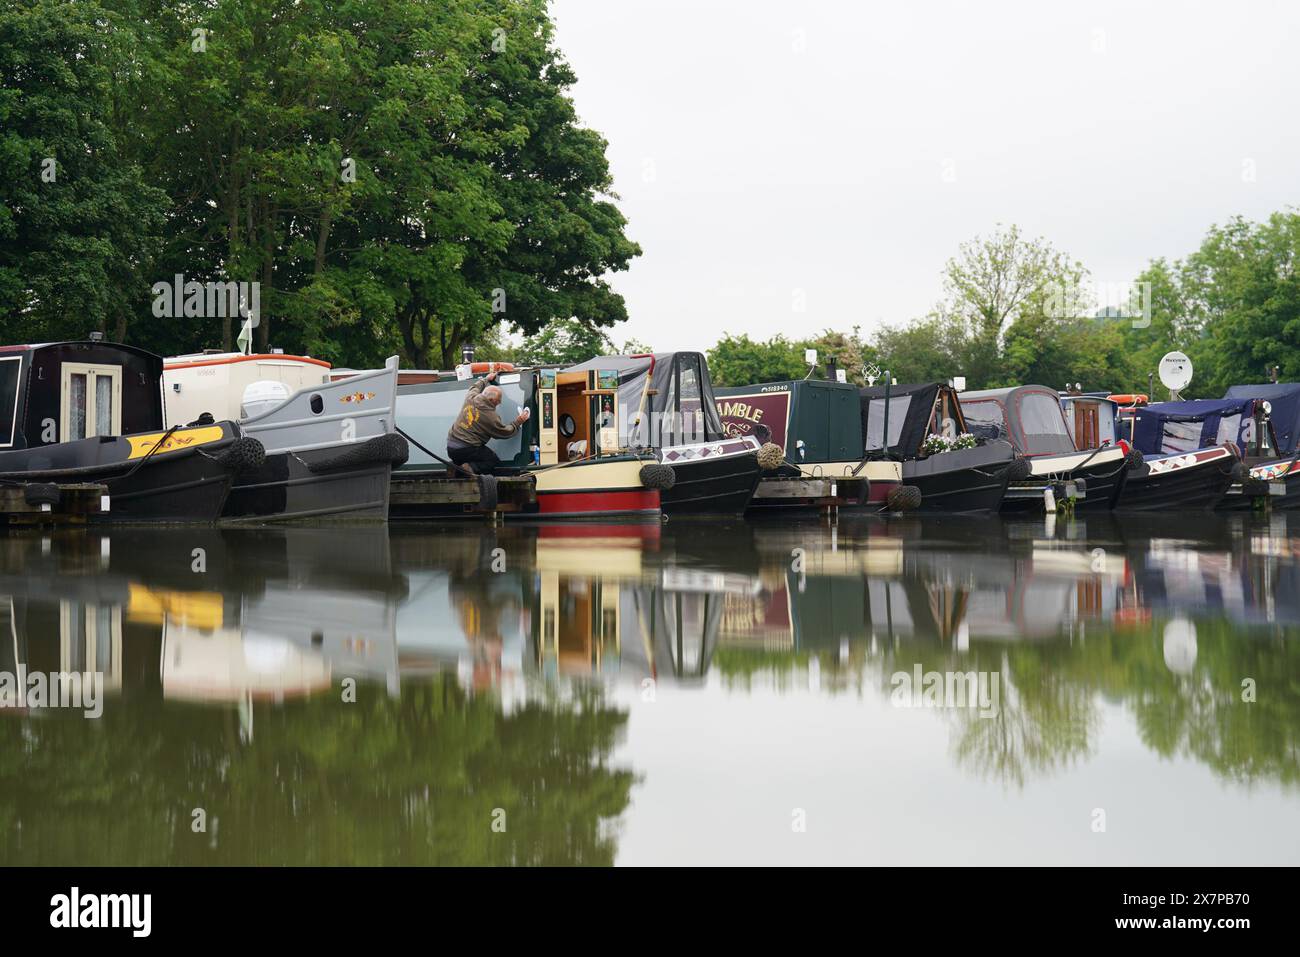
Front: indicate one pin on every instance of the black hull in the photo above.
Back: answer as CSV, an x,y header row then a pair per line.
x,y
1103,484
286,489
1287,502
175,489
1195,488
976,481
712,486
187,482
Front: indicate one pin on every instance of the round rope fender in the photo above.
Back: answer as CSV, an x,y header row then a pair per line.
x,y
1241,472
770,456
245,454
387,448
1135,458
1018,470
656,475
41,493
904,498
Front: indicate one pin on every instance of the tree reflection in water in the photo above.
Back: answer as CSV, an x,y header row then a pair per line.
x,y
409,780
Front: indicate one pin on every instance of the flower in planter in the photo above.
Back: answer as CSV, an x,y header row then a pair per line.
x,y
938,444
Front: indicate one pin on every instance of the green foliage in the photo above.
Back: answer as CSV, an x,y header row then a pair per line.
x,y
412,780
398,175
849,351
77,219
739,360
566,342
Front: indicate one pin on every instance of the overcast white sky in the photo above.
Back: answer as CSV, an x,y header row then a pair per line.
x,y
832,155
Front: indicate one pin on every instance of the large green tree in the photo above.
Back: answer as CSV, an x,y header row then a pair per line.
x,y
78,222
396,175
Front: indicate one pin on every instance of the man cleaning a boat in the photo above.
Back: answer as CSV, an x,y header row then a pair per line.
x,y
477,423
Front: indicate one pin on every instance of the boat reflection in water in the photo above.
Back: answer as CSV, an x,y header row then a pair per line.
x,y
370,695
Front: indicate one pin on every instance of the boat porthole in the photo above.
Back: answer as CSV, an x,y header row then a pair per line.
x,y
317,404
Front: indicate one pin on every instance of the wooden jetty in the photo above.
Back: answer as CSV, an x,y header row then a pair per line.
x,y
40,503
825,495
429,497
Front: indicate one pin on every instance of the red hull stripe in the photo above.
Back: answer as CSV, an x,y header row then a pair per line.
x,y
880,490
637,500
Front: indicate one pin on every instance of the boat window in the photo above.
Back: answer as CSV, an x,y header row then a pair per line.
x,y
1043,424
1180,436
898,406
664,425
9,379
985,413
1229,429
691,404
91,401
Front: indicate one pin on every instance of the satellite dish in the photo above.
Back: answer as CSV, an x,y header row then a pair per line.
x,y
1175,371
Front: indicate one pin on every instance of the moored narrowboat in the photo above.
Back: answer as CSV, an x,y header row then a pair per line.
x,y
816,426
93,412
568,446
1188,428
1275,458
664,405
1030,418
330,445
954,470
1169,479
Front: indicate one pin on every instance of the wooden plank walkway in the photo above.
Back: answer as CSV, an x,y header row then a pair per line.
x,y
24,504
427,497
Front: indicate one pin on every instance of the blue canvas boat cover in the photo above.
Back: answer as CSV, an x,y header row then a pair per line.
x,y
1165,427
1284,397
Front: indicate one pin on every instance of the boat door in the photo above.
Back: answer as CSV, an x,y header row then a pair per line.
x,y
90,401
579,414
1087,426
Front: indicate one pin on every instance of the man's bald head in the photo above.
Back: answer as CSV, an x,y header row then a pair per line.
x,y
492,394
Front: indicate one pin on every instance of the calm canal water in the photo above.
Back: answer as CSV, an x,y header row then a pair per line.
x,y
909,691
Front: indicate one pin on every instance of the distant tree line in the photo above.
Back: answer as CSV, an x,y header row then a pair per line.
x,y
1017,311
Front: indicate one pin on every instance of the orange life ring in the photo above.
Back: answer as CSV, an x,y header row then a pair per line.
x,y
481,368
1129,399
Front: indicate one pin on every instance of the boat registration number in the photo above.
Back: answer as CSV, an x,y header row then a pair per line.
x,y
1277,488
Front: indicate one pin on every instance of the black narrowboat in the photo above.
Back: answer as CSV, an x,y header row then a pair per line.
x,y
93,412
666,406
816,426
1194,479
1274,455
955,470
1030,418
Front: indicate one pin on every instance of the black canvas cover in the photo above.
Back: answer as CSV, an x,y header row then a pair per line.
x,y
910,409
